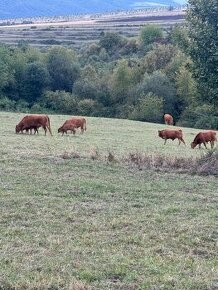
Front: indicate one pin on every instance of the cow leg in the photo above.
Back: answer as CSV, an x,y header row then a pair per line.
x,y
212,144
205,145
182,140
165,140
45,129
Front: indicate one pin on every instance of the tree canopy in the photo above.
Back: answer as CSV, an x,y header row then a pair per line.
x,y
203,47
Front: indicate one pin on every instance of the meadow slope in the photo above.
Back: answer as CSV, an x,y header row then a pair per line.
x,y
79,223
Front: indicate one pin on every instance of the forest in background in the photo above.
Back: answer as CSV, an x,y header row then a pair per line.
x,y
137,78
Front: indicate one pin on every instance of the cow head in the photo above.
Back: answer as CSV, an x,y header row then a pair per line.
x,y
193,145
17,129
60,130
159,133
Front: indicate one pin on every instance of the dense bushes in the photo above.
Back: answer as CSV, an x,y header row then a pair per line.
x,y
204,116
60,101
114,77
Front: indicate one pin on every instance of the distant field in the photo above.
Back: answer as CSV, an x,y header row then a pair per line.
x,y
71,222
77,33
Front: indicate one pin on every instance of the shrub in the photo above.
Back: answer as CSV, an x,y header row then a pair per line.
x,y
159,84
36,108
110,41
22,105
203,116
6,104
59,101
158,58
150,34
149,108
87,107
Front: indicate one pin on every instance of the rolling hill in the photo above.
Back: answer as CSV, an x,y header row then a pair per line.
x,y
72,219
35,8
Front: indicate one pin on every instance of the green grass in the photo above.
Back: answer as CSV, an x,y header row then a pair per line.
x,y
78,223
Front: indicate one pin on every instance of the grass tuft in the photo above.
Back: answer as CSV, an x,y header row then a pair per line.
x,y
70,155
206,165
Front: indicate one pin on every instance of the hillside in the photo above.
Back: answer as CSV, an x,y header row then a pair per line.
x,y
25,8
71,219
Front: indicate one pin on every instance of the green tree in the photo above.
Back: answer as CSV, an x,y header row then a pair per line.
x,y
60,102
121,81
160,85
149,108
186,87
88,107
6,75
203,48
110,41
87,86
63,68
179,37
149,34
36,79
158,57
25,65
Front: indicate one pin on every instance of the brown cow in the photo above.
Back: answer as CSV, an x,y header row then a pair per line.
x,y
32,122
204,137
168,119
171,134
72,124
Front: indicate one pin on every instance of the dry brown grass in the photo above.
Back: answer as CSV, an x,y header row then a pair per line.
x,y
205,165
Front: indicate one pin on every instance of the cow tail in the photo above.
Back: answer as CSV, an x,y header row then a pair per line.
x,y
49,126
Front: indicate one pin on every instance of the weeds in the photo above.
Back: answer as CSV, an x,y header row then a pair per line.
x,y
204,165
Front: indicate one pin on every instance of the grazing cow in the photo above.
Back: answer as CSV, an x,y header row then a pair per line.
x,y
72,124
204,137
34,122
171,134
168,119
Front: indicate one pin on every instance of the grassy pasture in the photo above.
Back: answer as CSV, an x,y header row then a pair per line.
x,y
78,223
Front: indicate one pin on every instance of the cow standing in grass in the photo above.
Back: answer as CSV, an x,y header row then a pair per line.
x,y
72,124
33,122
171,134
204,137
168,119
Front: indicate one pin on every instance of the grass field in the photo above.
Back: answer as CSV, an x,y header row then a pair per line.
x,y
78,33
84,223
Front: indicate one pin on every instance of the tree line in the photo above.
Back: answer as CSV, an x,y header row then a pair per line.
x,y
139,78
